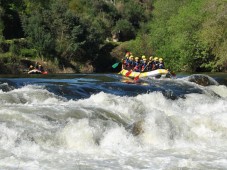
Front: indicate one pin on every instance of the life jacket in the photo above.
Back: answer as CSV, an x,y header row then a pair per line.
x,y
155,65
143,67
141,62
130,64
126,64
161,66
150,65
136,66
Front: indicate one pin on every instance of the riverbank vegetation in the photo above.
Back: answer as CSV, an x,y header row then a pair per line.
x,y
80,34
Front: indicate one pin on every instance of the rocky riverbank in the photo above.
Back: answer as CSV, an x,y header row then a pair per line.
x,y
20,66
16,59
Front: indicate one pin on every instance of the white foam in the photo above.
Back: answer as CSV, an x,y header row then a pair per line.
x,y
92,130
8,136
220,90
78,135
118,139
30,94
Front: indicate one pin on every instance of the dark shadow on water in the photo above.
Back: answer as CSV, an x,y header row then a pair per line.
x,y
78,86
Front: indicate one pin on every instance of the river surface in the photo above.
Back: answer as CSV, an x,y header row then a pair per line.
x,y
104,121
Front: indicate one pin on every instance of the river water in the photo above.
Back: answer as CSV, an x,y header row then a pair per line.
x,y
101,121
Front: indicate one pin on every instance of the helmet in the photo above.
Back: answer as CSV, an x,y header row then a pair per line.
x,y
143,56
160,59
127,54
151,58
131,56
156,59
137,58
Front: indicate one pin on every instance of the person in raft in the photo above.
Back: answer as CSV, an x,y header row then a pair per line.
x,y
150,63
137,65
142,59
131,63
40,68
30,68
161,64
33,70
125,61
144,67
156,64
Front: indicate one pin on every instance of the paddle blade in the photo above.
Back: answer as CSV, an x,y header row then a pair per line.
x,y
115,65
137,78
128,73
173,74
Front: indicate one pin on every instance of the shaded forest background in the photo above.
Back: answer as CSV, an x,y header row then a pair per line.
x,y
91,35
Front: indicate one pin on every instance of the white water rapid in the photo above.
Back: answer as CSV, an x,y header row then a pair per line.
x,y
40,130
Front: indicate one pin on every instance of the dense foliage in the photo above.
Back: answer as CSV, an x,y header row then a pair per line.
x,y
70,30
190,35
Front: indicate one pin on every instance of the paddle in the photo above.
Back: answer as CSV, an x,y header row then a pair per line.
x,y
128,73
173,74
115,65
137,77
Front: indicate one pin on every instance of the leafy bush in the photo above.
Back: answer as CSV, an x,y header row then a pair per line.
x,y
28,52
125,30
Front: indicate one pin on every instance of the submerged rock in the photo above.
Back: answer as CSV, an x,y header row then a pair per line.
x,y
202,80
136,128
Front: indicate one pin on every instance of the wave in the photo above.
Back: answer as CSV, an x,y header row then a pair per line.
x,y
122,111
40,128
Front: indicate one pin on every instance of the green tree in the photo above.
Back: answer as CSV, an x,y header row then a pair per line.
x,y
125,30
214,33
183,31
160,38
1,24
10,20
37,33
175,35
134,12
66,29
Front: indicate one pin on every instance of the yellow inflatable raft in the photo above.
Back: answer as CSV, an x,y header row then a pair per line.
x,y
154,73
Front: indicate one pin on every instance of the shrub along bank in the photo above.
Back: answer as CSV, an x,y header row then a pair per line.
x,y
190,35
